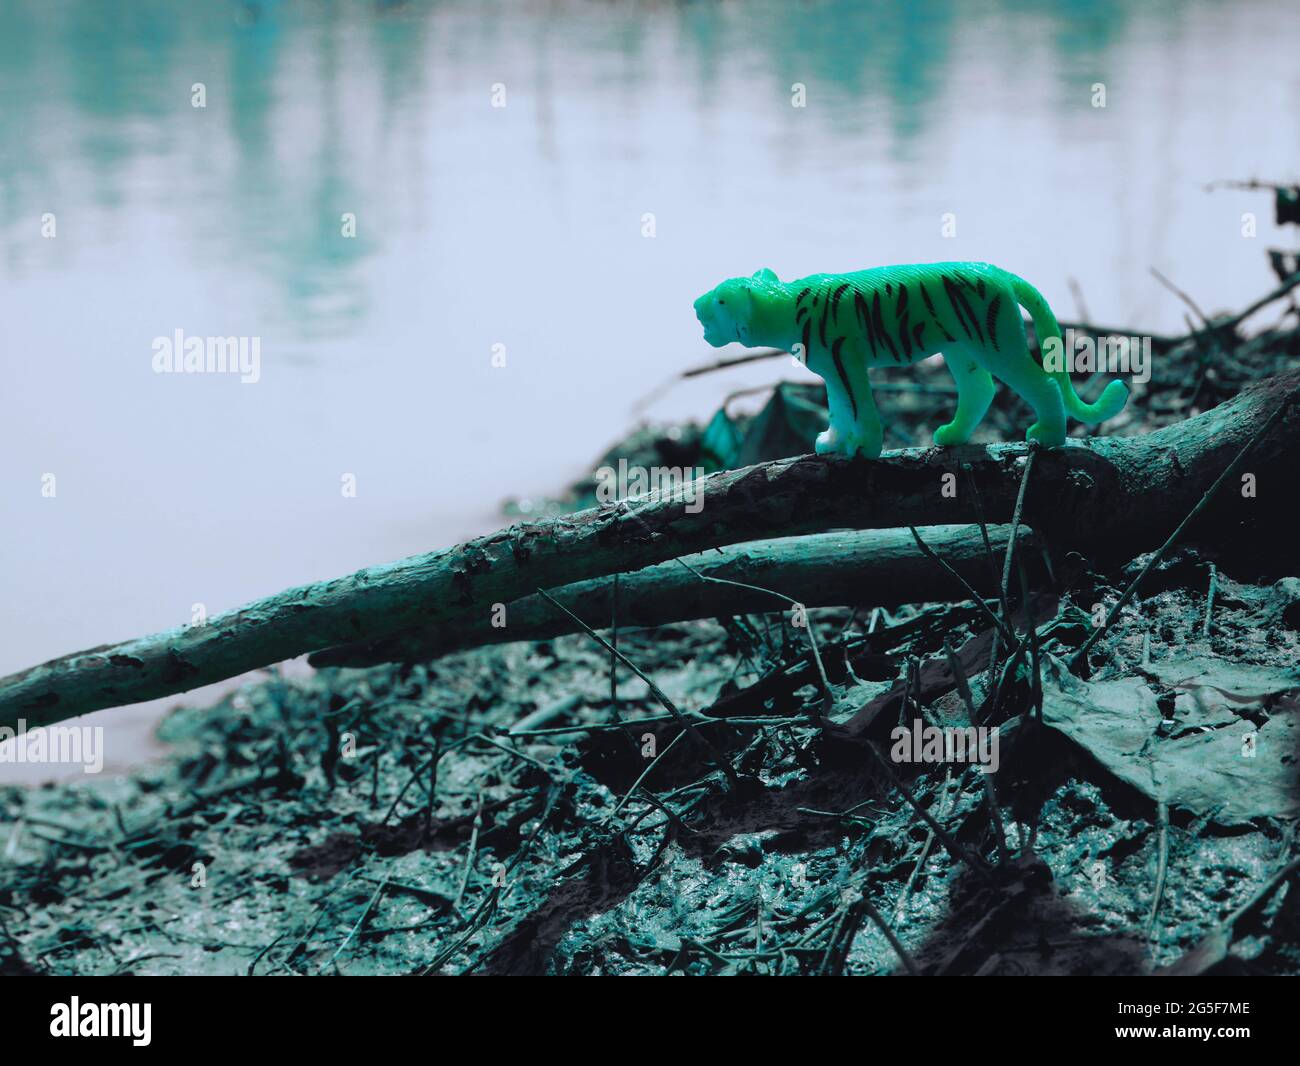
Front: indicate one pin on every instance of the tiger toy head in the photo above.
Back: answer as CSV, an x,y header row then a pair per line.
x,y
751,311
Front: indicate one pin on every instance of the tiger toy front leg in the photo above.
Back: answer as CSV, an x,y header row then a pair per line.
x,y
855,424
842,434
869,432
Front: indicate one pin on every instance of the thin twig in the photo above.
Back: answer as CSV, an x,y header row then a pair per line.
x,y
926,550
1278,293
1015,519
1209,601
964,688
889,935
988,543
737,360
1162,863
1076,291
944,798
655,690
827,697
950,845
360,921
469,859
613,658
644,774
1182,296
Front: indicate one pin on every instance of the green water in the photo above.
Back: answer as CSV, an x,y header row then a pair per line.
x,y
524,226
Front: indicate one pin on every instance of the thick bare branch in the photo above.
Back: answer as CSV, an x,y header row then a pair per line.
x,y
1107,497
881,568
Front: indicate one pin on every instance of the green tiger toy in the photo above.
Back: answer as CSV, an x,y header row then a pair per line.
x,y
840,325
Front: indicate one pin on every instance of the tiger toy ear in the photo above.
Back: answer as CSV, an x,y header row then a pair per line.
x,y
765,274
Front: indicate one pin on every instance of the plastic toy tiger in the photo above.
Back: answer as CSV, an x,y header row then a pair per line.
x,y
842,324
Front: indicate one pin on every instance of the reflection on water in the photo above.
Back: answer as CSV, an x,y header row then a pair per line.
x,y
522,226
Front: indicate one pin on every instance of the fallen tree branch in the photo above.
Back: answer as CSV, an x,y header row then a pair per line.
x,y
1237,319
1108,498
883,568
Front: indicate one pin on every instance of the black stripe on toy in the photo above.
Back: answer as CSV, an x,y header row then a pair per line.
x,y
844,377
878,322
835,301
950,290
962,308
860,306
991,318
929,306
900,313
